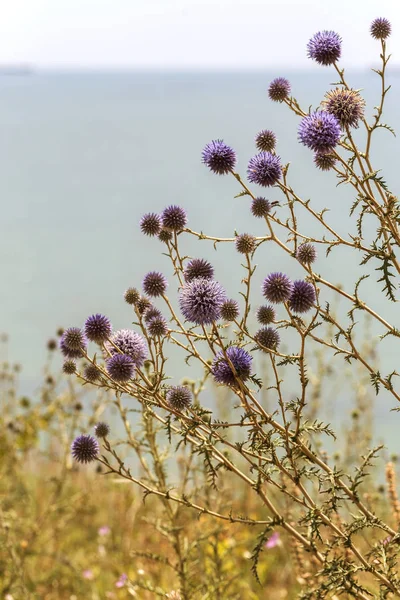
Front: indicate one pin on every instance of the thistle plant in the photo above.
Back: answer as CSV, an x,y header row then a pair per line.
x,y
271,440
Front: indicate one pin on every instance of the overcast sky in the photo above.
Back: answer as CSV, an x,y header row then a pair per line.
x,y
187,33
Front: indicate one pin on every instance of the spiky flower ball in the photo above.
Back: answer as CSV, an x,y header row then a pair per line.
x,y
201,301
268,338
264,169
157,327
380,28
241,361
179,397
219,157
302,297
265,140
51,345
320,131
325,47
324,161
142,305
85,448
120,367
165,236
198,267
265,314
101,430
91,372
151,313
279,89
346,105
97,328
229,310
150,224
245,243
155,284
131,295
174,218
128,342
260,207
277,288
306,253
69,367
68,352
74,338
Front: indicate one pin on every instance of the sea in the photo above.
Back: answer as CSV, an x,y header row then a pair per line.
x,y
83,155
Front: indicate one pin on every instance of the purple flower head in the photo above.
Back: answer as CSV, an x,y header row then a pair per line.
x,y
131,295
165,236
179,397
174,218
98,328
323,161
325,47
201,301
380,28
157,327
120,367
91,372
104,530
229,310
142,305
277,288
265,140
151,313
302,297
150,224
267,338
245,243
240,359
219,157
265,314
155,284
128,342
260,207
273,541
85,448
69,367
279,89
74,338
346,105
320,131
101,430
306,253
264,169
122,580
198,267
68,352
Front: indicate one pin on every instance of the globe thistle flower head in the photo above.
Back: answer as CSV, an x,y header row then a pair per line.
x,y
268,338
260,207
155,284
319,131
51,345
201,301
241,361
128,342
229,310
245,243
85,448
265,140
380,28
69,367
142,305
279,89
120,367
101,430
131,295
150,224
219,158
325,47
157,327
265,314
302,297
165,236
198,267
277,288
264,169
174,218
151,313
324,161
306,253
346,105
91,372
68,352
74,338
179,397
97,328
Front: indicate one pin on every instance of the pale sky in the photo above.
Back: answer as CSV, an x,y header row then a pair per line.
x,y
188,33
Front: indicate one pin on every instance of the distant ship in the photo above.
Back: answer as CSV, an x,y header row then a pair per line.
x,y
17,69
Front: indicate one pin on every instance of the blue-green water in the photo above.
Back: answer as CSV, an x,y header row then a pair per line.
x,y
83,156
